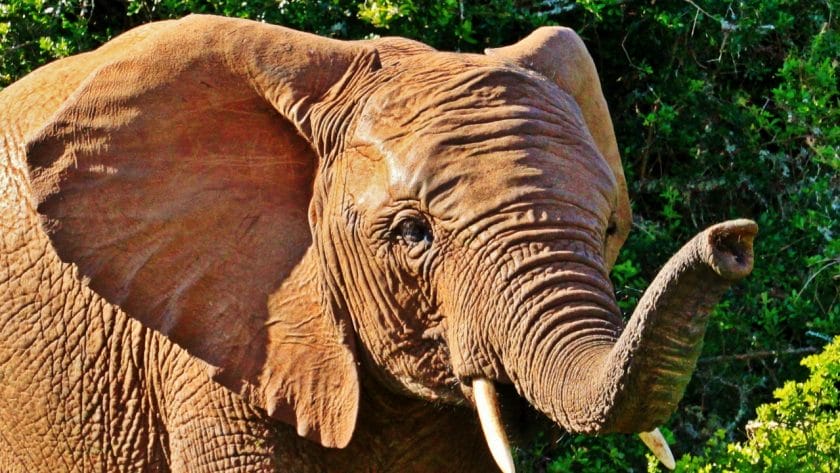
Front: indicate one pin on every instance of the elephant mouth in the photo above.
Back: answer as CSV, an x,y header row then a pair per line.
x,y
504,414
526,427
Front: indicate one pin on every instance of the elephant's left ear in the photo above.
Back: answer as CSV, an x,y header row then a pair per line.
x,y
559,54
177,180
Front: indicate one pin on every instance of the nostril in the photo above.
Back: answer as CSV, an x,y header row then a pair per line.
x,y
731,245
734,245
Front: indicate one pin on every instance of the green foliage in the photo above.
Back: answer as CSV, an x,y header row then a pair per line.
x,y
586,454
722,108
739,118
32,33
799,432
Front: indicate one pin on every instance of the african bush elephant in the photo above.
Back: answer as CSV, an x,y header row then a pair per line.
x,y
228,245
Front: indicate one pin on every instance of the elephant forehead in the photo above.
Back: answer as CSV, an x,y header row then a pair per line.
x,y
426,86
504,172
483,137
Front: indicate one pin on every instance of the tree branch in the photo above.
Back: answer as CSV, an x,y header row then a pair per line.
x,y
755,355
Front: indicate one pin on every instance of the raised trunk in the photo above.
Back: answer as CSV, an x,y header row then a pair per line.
x,y
592,384
654,359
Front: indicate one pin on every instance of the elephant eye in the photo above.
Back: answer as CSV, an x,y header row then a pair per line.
x,y
611,229
414,230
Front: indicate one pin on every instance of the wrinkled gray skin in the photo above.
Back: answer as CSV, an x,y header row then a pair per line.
x,y
508,280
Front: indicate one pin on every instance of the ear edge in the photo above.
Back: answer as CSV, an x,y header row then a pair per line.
x,y
324,403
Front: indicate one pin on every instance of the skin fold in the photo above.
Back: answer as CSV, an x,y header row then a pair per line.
x,y
230,246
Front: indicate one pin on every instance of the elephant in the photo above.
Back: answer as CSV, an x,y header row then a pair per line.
x,y
232,246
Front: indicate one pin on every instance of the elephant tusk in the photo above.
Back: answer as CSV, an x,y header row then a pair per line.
x,y
657,444
491,423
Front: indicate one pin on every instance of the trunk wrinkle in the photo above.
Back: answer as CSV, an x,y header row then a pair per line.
x,y
570,362
653,361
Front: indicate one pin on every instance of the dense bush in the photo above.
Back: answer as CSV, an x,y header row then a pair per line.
x,y
799,432
723,108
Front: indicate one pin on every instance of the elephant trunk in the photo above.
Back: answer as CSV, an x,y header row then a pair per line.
x,y
653,361
589,383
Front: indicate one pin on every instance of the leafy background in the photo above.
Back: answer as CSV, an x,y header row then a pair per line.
x,y
722,108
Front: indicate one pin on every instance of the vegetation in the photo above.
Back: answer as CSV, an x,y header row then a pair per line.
x,y
723,108
798,432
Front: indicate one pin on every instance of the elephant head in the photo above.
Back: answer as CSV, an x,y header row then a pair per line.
x,y
301,213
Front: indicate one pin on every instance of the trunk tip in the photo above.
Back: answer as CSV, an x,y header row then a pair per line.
x,y
730,246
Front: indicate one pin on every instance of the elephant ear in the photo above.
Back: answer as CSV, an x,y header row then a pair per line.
x,y
178,179
559,54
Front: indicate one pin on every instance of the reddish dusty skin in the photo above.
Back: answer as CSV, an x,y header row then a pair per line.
x,y
229,245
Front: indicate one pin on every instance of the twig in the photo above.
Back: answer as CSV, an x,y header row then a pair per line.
x,y
696,15
811,278
25,44
628,54
701,11
755,355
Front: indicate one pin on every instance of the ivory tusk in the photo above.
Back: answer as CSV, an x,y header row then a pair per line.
x,y
657,444
491,423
